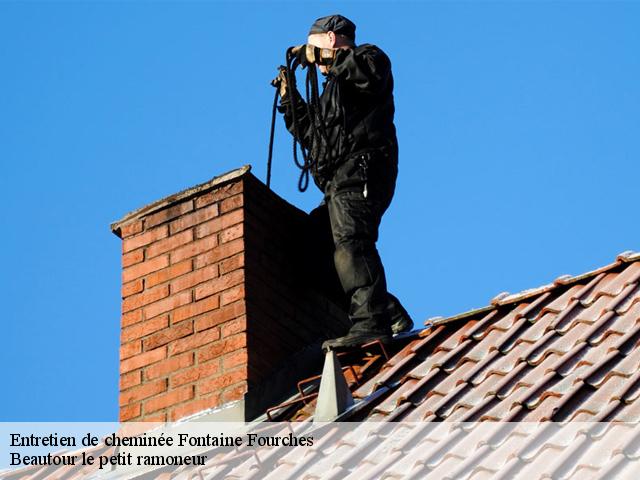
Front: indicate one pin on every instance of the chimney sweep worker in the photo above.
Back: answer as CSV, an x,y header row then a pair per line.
x,y
353,147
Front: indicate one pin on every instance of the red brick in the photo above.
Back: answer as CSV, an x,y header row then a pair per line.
x,y
130,379
130,349
234,326
131,288
132,258
159,417
141,269
195,406
167,335
231,203
168,214
169,243
143,329
231,233
193,309
194,218
129,412
142,360
196,373
219,223
145,238
239,357
219,316
222,381
130,228
220,252
168,399
236,392
219,194
145,390
194,278
219,284
194,248
231,295
168,273
194,341
232,263
131,318
223,347
150,295
170,303
171,364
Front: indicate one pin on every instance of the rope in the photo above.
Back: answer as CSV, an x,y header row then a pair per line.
x,y
313,113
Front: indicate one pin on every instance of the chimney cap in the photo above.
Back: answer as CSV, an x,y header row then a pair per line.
x,y
177,197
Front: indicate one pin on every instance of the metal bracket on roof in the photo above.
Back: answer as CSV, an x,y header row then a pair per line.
x,y
334,397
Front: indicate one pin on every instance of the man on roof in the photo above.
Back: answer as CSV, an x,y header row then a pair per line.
x,y
355,165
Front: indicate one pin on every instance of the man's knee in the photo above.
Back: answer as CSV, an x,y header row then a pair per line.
x,y
356,263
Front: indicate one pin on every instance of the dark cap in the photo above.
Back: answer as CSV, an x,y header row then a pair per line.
x,y
334,23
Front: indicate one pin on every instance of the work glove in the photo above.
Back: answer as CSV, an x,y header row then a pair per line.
x,y
309,54
280,82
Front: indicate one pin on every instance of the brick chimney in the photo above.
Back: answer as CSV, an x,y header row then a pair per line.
x,y
220,303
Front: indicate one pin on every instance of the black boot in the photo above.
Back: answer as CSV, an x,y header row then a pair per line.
x,y
360,333
400,319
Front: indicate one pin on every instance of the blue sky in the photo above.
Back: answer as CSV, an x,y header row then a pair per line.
x,y
519,143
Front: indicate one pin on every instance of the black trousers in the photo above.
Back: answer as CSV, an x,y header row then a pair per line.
x,y
354,202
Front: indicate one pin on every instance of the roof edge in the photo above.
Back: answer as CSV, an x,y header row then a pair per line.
x,y
506,298
176,197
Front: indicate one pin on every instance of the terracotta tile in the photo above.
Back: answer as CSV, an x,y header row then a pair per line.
x,y
397,397
534,375
431,341
537,329
624,322
484,347
563,344
513,336
629,412
599,373
571,361
450,400
507,321
625,297
456,338
631,274
504,364
423,369
632,389
593,312
602,288
499,411
599,399
454,357
479,329
632,299
566,319
480,369
537,352
476,395
462,371
457,413
507,384
628,365
561,303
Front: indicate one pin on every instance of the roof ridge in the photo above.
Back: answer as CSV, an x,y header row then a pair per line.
x,y
506,298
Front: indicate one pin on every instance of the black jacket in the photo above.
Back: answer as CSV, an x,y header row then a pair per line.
x,y
357,108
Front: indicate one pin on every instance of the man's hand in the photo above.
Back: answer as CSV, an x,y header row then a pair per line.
x,y
309,54
280,81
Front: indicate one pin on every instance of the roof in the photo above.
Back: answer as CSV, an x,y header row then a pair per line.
x,y
565,352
